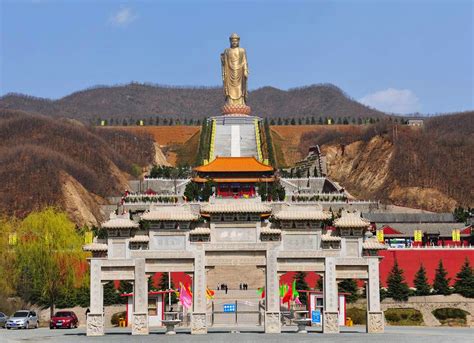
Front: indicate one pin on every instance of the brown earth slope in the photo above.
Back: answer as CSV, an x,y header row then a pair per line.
x,y
63,163
430,168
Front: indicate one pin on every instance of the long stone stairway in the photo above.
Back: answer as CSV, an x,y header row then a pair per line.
x,y
235,137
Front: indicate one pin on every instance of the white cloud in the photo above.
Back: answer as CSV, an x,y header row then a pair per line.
x,y
123,17
400,101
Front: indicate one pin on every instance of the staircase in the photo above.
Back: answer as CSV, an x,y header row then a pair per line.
x,y
235,137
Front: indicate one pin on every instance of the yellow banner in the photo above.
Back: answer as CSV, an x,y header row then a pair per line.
x,y
456,234
418,235
380,236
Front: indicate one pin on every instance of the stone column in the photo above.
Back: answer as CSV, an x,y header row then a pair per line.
x,y
375,317
140,300
95,318
272,297
331,304
198,317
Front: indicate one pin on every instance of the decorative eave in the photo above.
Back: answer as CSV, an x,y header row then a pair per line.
x,y
199,179
120,221
200,231
351,220
328,237
170,213
302,213
266,230
373,244
235,206
95,247
140,239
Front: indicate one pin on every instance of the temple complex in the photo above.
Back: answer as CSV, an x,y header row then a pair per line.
x,y
236,230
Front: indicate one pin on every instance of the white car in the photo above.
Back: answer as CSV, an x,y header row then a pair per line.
x,y
23,319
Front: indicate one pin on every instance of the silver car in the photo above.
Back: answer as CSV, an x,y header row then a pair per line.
x,y
23,319
3,319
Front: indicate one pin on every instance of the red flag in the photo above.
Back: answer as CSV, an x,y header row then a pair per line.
x,y
288,295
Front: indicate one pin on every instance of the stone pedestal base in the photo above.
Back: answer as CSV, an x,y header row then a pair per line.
x,y
198,324
95,324
331,322
236,110
140,324
272,322
375,322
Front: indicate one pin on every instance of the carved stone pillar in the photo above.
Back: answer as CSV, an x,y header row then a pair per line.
x,y
331,304
95,318
140,300
375,317
272,298
198,317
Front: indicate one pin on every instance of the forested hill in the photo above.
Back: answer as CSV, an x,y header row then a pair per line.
x,y
142,101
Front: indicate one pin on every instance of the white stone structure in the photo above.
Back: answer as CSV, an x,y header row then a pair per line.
x,y
243,232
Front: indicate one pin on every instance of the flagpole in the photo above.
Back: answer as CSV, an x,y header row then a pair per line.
x,y
169,288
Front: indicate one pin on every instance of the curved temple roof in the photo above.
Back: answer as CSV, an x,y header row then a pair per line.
x,y
170,213
302,213
120,221
351,220
236,207
234,164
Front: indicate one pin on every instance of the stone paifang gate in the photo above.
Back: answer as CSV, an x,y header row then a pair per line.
x,y
193,238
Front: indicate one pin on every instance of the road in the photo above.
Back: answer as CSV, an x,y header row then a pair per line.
x,y
349,335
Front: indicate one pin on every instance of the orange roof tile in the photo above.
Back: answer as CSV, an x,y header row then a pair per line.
x,y
234,179
234,164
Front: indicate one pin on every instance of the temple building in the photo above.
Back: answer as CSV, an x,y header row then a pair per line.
x,y
234,176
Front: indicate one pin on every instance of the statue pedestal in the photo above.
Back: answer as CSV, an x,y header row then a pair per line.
x,y
236,110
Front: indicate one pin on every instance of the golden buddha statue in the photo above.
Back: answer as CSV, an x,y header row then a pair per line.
x,y
234,76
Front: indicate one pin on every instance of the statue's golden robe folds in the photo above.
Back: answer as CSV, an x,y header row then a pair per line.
x,y
234,75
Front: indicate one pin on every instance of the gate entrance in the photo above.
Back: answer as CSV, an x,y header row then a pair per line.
x,y
237,313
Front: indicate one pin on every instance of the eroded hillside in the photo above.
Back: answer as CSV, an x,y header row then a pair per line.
x,y
64,163
429,168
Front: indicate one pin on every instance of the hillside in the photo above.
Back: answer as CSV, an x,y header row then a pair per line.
x,y
428,168
139,101
64,163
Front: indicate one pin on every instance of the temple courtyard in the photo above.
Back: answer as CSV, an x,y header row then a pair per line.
x,y
354,334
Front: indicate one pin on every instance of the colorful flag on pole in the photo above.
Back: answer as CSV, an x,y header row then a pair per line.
x,y
209,293
261,292
288,295
295,293
185,297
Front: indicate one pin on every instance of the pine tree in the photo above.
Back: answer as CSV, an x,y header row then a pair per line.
x,y
464,284
421,282
441,282
349,286
151,286
302,285
111,295
124,287
165,285
397,287
319,283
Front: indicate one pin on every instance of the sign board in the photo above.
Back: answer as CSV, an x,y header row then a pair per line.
x,y
316,316
229,307
380,236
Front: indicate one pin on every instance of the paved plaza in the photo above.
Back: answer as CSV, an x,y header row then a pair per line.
x,y
352,335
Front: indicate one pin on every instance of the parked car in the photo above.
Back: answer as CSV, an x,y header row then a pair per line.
x,y
64,319
23,319
3,319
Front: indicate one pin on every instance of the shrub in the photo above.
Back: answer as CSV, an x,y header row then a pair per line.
x,y
116,317
403,316
449,313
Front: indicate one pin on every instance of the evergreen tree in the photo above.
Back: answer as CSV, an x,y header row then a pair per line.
x,y
151,286
397,287
320,121
307,122
279,122
124,287
293,122
319,283
421,282
165,285
111,296
464,283
441,282
349,286
301,284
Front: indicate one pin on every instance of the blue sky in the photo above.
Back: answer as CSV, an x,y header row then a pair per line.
x,y
397,56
